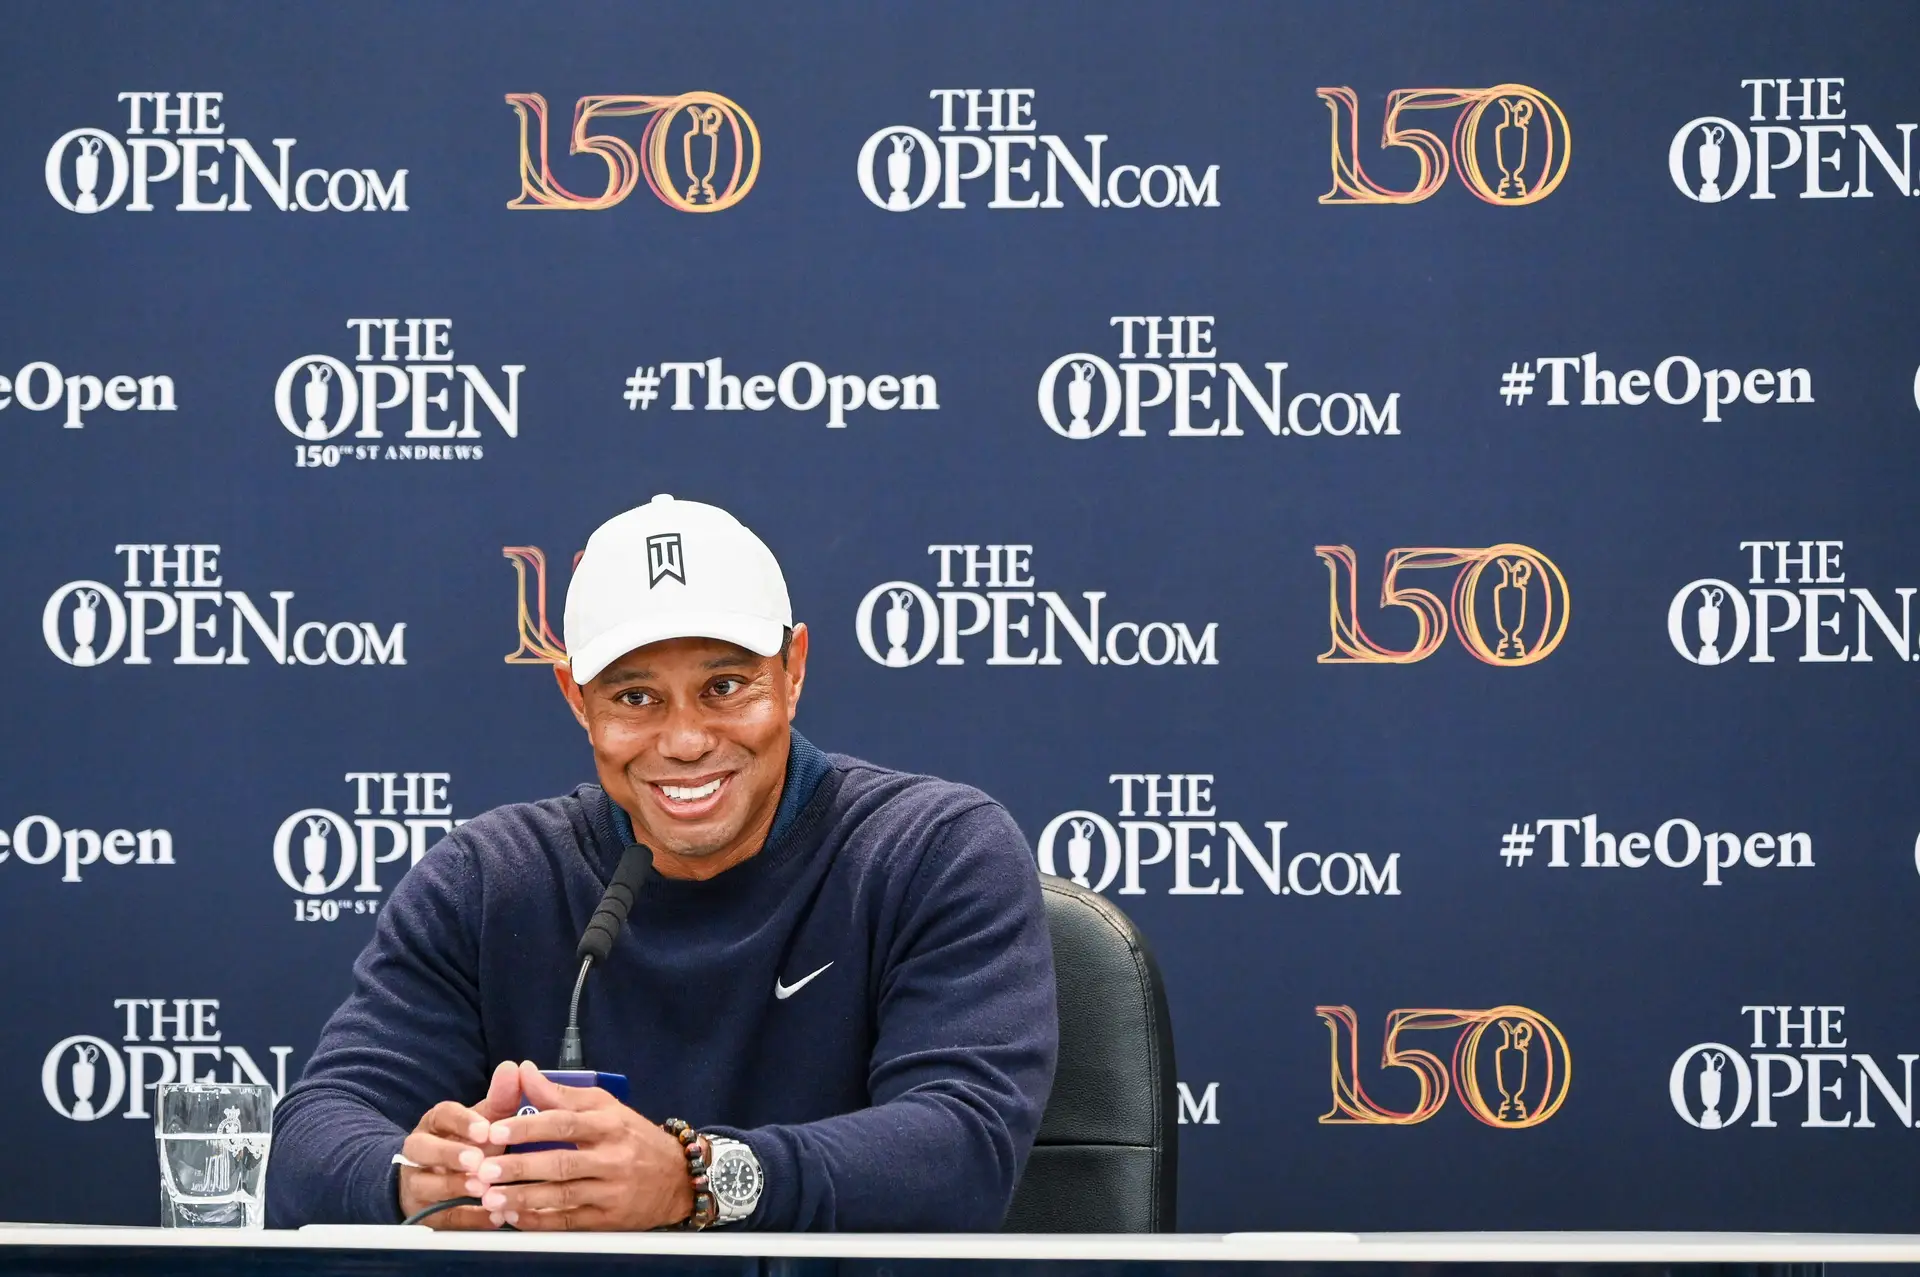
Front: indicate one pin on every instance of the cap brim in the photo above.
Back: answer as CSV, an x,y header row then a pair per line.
x,y
755,633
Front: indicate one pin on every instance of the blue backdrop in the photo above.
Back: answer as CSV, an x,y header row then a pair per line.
x,y
1374,445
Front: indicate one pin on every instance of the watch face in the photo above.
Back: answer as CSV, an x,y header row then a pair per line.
x,y
735,1178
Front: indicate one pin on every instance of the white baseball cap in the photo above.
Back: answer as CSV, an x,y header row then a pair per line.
x,y
673,569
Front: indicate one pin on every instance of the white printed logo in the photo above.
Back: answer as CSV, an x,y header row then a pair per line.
x,y
982,131
39,386
317,851
1190,844
1713,1085
785,991
399,363
1171,360
86,623
1711,157
81,158
83,847
913,623
1710,620
84,1077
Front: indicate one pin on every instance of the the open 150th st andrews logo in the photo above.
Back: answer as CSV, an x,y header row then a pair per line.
x,y
1518,621
318,851
1511,144
699,152
405,364
1510,1052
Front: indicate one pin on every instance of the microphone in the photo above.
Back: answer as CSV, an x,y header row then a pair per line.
x,y
597,942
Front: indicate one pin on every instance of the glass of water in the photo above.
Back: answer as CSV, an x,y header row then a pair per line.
x,y
213,1140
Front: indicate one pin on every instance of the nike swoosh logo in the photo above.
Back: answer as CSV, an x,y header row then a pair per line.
x,y
785,991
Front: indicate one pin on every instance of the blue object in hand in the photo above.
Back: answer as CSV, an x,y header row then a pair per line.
x,y
614,1084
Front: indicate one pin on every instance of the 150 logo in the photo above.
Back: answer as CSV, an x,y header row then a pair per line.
x,y
1526,1063
1527,605
1511,144
699,152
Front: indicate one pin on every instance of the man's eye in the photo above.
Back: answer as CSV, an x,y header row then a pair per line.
x,y
725,686
635,699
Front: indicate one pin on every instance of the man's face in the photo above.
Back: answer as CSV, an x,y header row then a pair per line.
x,y
690,737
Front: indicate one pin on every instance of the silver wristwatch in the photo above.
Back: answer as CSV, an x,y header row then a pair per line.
x,y
734,1176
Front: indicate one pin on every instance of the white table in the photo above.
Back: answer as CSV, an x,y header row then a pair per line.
x,y
1376,1248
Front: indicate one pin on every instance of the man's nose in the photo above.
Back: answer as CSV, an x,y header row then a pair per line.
x,y
687,737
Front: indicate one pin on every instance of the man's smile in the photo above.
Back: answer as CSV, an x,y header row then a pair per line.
x,y
692,798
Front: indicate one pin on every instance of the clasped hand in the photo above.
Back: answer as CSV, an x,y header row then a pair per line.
x,y
623,1173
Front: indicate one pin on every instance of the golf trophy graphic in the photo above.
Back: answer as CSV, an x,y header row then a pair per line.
x,y
1709,622
218,1176
315,392
1079,401
83,1079
1080,852
1510,1069
1710,163
703,122
1515,574
1518,113
898,621
86,626
86,175
899,169
313,856
1711,1064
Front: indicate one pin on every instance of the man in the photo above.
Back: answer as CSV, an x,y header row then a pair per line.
x,y
837,975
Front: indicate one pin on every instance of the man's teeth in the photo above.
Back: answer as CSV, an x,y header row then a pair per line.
x,y
686,794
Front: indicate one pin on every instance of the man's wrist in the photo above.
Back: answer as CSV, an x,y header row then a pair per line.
x,y
735,1177
694,1148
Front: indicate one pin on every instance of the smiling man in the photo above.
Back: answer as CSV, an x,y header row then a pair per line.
x,y
833,1000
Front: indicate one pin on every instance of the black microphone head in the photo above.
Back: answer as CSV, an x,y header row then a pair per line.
x,y
611,914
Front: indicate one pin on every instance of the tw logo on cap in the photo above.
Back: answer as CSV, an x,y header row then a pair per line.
x,y
663,559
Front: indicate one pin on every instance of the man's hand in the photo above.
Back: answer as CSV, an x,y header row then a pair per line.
x,y
449,1143
624,1173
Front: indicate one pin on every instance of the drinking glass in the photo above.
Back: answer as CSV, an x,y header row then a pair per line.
x,y
213,1140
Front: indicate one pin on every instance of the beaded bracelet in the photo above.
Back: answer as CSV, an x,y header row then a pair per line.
x,y
705,1209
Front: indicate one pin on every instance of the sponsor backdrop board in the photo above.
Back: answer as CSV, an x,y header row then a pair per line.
x,y
1408,501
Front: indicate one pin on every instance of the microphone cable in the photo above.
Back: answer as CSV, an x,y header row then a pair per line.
x,y
421,1215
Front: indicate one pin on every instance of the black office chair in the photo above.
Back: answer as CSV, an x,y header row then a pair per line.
x,y
1105,1160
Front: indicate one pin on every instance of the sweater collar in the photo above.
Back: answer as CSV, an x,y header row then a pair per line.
x,y
807,766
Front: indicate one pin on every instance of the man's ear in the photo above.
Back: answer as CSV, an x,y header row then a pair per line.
x,y
796,669
563,675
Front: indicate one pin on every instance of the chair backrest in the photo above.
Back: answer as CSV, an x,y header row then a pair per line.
x,y
1105,1159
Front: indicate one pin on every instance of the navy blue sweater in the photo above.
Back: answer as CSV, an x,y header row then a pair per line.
x,y
899,1090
